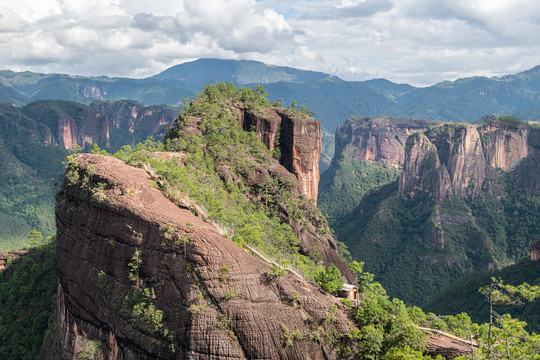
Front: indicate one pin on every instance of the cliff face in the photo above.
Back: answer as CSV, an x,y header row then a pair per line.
x,y
505,146
458,159
456,207
91,127
108,124
298,138
130,290
377,138
14,121
136,118
421,170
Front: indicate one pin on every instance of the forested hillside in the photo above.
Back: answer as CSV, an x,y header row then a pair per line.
x,y
453,210
463,295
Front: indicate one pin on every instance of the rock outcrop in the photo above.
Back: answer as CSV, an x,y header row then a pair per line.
x,y
457,159
14,121
506,146
6,257
535,251
91,128
140,278
298,138
379,138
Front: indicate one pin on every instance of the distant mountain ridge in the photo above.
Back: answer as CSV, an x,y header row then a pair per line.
x,y
464,99
331,99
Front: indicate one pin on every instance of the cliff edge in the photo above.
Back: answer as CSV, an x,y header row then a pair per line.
x,y
141,278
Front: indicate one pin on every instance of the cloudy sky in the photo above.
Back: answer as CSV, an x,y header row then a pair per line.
x,y
415,41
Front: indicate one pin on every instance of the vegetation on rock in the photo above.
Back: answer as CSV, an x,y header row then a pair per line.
x,y
416,246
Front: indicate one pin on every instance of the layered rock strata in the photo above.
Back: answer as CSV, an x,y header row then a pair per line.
x,y
128,289
377,138
458,159
298,138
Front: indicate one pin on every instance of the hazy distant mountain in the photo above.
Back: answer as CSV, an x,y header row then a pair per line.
x,y
194,75
330,98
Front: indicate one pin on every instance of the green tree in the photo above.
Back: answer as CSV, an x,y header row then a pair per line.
x,y
134,266
498,293
35,238
330,279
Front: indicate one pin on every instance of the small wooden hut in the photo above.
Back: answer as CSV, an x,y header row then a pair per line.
x,y
349,292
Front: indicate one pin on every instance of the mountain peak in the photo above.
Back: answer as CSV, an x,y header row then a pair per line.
x,y
196,74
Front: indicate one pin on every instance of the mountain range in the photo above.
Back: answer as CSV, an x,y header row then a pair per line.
x,y
144,273
329,97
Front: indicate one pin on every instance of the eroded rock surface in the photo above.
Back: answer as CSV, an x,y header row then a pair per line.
x,y
457,159
218,301
377,138
298,138
136,118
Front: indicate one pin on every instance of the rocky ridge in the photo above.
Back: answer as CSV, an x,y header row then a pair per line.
x,y
209,298
459,159
297,138
466,200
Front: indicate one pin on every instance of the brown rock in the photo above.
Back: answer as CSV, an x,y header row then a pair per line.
x,y
447,160
377,138
6,257
447,347
422,172
92,127
506,146
218,301
137,118
298,137
535,251
467,159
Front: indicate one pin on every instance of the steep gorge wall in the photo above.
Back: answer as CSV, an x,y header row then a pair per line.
x,y
90,128
136,118
218,301
66,123
377,138
459,159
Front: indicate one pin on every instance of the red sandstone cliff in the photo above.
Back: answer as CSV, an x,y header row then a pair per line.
x,y
136,118
379,138
90,128
457,159
298,138
108,124
208,312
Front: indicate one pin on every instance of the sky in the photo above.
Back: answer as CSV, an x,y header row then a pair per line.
x,y
420,42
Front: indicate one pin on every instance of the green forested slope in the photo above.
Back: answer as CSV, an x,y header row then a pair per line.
x,y
397,237
344,184
463,295
29,172
27,292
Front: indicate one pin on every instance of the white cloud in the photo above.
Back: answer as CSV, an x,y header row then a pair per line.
x,y
415,41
